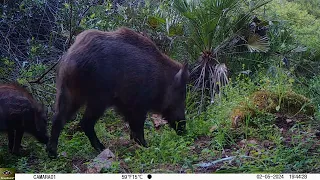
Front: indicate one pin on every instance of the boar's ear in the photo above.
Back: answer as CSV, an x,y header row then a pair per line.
x,y
186,71
182,76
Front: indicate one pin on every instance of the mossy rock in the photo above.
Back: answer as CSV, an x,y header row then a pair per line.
x,y
268,102
291,103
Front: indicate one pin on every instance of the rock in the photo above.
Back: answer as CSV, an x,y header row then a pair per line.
x,y
244,142
158,121
289,120
213,128
267,144
64,154
252,141
103,160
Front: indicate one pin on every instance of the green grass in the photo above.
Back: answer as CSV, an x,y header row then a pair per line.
x,y
261,144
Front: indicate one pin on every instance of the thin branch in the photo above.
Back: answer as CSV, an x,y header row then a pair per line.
x,y
71,34
70,24
79,21
42,76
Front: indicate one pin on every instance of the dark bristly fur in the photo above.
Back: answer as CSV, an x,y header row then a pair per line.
x,y
19,113
122,69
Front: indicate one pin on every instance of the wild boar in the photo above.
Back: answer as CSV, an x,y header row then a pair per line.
x,y
19,113
120,69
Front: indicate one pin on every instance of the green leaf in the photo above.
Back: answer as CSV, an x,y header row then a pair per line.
x,y
154,21
92,15
66,5
176,30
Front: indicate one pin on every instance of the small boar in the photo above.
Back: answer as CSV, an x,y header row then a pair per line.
x,y
19,113
120,69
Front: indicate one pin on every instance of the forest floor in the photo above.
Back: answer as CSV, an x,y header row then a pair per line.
x,y
287,145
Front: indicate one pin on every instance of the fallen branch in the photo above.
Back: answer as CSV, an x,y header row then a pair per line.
x,y
210,164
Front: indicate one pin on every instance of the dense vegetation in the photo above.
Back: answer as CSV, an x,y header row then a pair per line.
x,y
252,106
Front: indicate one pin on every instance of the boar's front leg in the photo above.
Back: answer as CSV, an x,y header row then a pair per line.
x,y
64,113
11,139
94,111
136,122
17,141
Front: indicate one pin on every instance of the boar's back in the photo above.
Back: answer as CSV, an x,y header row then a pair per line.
x,y
14,100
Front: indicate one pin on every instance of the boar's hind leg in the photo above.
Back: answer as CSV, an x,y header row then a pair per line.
x,y
136,122
93,112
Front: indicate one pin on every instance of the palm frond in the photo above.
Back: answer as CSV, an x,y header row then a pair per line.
x,y
257,43
220,79
214,27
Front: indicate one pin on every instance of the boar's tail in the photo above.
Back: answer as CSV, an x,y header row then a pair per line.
x,y
69,95
61,97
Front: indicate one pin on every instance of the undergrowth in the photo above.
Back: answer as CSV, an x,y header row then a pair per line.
x,y
266,142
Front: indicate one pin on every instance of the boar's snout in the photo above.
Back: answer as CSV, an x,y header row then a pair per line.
x,y
41,132
179,127
176,97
